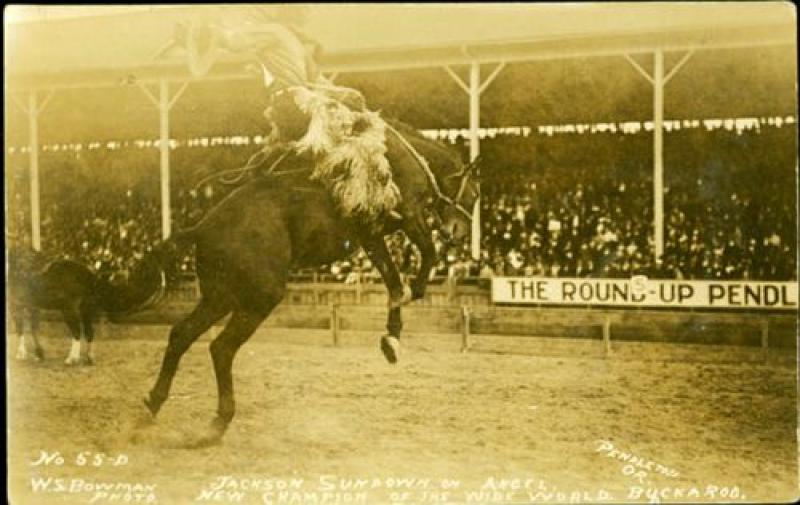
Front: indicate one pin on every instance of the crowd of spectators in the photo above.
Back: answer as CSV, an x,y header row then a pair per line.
x,y
730,213
569,206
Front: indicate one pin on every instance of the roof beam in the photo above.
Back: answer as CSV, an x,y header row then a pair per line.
x,y
678,66
578,46
562,48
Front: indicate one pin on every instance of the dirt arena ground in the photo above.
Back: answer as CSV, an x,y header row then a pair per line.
x,y
651,422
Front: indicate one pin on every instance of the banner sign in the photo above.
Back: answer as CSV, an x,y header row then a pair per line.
x,y
639,291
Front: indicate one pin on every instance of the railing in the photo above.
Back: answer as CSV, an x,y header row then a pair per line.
x,y
326,289
607,327
465,308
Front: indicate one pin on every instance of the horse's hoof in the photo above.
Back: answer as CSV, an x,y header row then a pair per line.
x,y
151,407
207,440
139,430
22,355
86,361
143,420
72,361
212,436
218,427
38,353
390,346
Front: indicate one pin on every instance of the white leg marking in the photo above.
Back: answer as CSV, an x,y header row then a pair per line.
x,y
74,353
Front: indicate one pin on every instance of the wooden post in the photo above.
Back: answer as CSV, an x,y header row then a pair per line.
x,y
164,103
475,149
607,334
197,292
335,324
33,160
464,328
658,152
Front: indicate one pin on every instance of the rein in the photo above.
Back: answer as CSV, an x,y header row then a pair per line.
x,y
242,172
462,187
431,178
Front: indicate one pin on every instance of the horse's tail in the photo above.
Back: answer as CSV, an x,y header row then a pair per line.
x,y
146,284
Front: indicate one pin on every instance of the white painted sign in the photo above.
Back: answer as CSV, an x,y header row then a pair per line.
x,y
639,291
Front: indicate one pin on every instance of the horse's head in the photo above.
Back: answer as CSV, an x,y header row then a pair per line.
x,y
456,189
462,192
20,256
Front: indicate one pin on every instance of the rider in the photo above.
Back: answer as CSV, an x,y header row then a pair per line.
x,y
309,114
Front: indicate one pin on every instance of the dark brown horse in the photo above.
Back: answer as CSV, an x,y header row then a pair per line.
x,y
247,244
77,293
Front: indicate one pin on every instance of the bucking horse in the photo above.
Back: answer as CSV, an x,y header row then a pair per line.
x,y
246,244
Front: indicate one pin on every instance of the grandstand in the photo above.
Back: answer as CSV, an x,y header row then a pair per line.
x,y
730,103
568,83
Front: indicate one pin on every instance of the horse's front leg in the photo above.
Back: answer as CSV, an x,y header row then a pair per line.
x,y
73,320
419,233
398,294
87,322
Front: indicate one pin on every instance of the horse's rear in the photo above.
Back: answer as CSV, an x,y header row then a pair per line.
x,y
262,229
244,249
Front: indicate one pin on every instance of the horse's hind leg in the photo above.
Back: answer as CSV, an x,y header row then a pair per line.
x,y
73,321
181,337
38,351
238,330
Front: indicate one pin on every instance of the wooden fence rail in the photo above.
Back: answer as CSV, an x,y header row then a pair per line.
x,y
471,322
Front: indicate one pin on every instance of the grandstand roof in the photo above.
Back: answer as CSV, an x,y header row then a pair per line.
x,y
97,46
